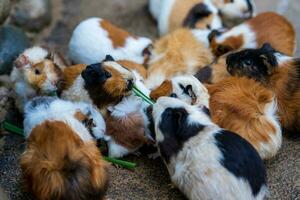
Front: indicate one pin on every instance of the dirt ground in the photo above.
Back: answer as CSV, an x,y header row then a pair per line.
x,y
150,179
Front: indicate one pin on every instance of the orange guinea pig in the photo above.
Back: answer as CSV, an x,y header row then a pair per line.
x,y
265,27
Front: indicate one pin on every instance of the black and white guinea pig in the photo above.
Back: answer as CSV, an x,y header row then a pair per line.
x,y
200,14
203,160
94,38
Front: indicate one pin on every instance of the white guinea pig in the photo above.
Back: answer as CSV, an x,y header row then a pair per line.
x,y
95,38
204,161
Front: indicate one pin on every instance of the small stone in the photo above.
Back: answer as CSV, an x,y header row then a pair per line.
x,y
32,15
4,10
6,102
13,41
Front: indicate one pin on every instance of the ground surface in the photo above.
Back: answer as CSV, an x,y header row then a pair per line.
x,y
150,179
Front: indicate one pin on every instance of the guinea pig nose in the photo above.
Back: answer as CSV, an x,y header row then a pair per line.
x,y
129,84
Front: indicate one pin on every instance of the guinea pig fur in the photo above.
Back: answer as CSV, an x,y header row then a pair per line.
x,y
204,161
267,27
237,104
186,88
61,160
277,72
200,14
155,8
35,72
235,11
178,53
94,38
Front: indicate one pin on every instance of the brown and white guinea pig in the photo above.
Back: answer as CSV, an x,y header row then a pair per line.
x,y
94,38
237,104
35,72
267,27
186,88
277,72
200,14
204,160
235,11
177,53
61,160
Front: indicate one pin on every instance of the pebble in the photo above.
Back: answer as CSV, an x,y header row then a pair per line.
x,y
32,15
13,41
4,10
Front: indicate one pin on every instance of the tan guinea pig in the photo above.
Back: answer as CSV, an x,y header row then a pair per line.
x,y
200,14
35,72
266,27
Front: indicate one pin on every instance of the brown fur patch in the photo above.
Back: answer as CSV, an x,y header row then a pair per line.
x,y
80,116
276,30
71,170
37,80
230,44
182,54
165,89
117,35
238,104
134,66
128,131
70,74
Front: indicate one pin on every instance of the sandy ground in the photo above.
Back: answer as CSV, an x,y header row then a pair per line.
x,y
150,179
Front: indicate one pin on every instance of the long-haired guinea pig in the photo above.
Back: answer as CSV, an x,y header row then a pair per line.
x,y
235,11
265,27
238,104
35,72
200,14
277,72
177,53
203,160
61,160
94,38
186,88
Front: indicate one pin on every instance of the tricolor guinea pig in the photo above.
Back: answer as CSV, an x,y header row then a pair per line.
x,y
61,160
94,38
267,27
186,88
178,53
277,72
203,160
200,14
235,11
237,104
35,72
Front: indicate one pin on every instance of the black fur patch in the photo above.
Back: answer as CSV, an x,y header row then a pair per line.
x,y
206,111
204,74
43,100
198,12
176,131
257,64
250,7
108,58
241,159
213,34
151,126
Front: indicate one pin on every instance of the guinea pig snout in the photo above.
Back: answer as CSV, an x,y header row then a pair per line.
x,y
94,74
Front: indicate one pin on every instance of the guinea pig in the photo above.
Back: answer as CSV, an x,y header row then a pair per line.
x,y
35,72
61,160
237,104
178,53
186,88
235,11
277,72
200,14
94,38
203,160
267,27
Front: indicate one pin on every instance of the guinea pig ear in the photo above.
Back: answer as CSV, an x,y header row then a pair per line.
x,y
223,49
21,61
267,47
58,60
108,58
165,89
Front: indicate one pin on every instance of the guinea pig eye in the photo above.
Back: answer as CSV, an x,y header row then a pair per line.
x,y
173,95
231,1
107,74
37,71
248,63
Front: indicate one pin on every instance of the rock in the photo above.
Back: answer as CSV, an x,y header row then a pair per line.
x,y
32,15
13,41
4,10
6,102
